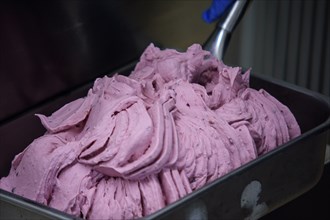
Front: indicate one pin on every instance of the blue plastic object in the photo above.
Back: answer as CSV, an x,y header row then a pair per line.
x,y
216,10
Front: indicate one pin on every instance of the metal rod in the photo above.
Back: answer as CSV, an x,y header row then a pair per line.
x,y
218,41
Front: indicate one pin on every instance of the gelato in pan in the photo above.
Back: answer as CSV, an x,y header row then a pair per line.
x,y
135,144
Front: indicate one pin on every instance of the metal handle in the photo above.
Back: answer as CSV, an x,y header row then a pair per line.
x,y
219,39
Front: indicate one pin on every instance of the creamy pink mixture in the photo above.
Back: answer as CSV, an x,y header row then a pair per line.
x,y
135,144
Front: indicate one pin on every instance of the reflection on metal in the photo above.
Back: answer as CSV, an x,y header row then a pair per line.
x,y
197,210
250,200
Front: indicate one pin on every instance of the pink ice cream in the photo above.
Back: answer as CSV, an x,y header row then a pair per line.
x,y
136,144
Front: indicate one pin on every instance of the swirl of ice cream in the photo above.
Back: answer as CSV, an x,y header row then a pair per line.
x,y
135,144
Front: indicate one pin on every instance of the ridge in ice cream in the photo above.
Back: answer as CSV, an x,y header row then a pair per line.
x,y
135,144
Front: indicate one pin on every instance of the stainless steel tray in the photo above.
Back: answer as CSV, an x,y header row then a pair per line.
x,y
252,190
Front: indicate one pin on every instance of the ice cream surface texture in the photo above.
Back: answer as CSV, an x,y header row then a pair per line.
x,y
135,144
